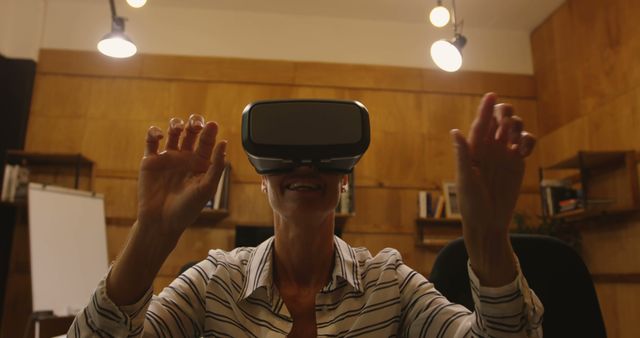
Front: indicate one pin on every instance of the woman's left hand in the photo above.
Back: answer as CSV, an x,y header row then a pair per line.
x,y
490,169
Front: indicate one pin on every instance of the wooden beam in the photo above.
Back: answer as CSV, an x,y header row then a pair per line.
x,y
291,73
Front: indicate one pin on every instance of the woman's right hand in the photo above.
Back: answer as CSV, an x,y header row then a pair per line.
x,y
175,184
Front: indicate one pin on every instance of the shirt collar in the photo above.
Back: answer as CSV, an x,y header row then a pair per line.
x,y
345,267
259,269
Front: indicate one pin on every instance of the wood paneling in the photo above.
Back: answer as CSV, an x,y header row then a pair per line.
x,y
507,85
216,69
87,63
102,108
211,69
357,76
620,307
588,85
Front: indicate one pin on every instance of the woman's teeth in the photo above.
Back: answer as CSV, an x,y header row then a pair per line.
x,y
303,186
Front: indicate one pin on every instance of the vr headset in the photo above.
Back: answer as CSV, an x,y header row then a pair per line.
x,y
280,135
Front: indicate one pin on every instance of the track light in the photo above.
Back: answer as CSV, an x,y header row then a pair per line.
x,y
136,3
116,44
439,15
447,54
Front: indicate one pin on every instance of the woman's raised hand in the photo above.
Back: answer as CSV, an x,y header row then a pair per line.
x,y
490,166
176,183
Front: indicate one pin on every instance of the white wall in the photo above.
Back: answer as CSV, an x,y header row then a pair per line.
x,y
21,28
162,29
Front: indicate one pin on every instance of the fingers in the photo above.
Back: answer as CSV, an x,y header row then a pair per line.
x,y
176,126
462,154
212,177
509,126
482,124
194,126
527,143
154,135
207,140
502,114
515,130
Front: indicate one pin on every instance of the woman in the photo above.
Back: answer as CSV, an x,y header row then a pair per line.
x,y
304,282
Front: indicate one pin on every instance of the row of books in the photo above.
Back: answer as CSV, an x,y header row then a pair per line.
x,y
430,208
15,183
559,196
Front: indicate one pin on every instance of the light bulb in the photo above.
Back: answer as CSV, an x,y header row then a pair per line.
x,y
446,56
439,16
136,3
117,45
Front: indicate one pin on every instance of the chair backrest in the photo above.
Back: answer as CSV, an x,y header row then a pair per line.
x,y
554,271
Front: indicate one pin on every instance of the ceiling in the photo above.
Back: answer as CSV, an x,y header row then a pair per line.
x,y
519,15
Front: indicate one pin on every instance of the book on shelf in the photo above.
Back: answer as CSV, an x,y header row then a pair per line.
x,y
14,183
439,212
553,192
21,184
5,182
569,205
425,208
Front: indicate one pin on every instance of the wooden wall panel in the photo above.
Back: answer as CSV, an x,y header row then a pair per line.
x,y
564,142
55,134
83,63
357,76
103,108
248,205
587,79
212,69
620,308
613,247
216,69
616,125
611,44
129,99
70,94
120,196
556,68
380,210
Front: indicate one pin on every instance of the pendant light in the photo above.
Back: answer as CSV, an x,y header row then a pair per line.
x,y
116,44
445,53
136,3
439,15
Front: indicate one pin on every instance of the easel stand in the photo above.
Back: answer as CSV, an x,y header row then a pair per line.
x,y
44,324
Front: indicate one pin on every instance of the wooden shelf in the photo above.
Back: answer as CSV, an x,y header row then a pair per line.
x,y
17,156
206,219
210,217
435,233
606,181
434,243
441,221
72,170
591,160
582,215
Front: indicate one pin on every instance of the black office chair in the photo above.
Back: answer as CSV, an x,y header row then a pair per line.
x,y
554,271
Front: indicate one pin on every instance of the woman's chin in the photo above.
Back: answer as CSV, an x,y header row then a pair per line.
x,y
301,210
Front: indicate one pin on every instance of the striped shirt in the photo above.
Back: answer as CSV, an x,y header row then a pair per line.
x,y
231,294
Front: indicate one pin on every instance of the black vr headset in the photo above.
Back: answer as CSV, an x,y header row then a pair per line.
x,y
330,135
